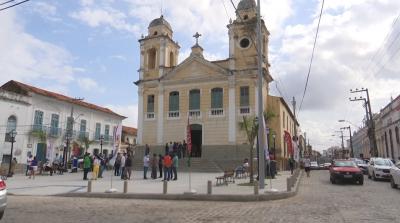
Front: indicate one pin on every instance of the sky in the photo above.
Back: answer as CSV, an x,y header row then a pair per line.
x,y
90,49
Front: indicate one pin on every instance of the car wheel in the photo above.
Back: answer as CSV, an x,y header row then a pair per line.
x,y
373,176
392,183
1,214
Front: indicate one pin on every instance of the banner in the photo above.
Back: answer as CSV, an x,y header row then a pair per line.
x,y
117,140
288,140
189,141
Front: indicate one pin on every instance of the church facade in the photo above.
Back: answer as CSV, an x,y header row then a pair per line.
x,y
213,96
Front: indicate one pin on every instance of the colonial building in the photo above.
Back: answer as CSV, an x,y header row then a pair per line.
x,y
128,139
211,95
43,120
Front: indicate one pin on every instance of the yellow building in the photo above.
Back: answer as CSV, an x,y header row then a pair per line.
x,y
283,120
213,95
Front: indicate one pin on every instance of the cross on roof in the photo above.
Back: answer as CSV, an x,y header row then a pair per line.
x,y
197,35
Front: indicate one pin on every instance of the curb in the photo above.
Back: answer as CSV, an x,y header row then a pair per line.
x,y
193,197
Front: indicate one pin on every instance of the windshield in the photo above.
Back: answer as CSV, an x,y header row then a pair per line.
x,y
345,163
383,162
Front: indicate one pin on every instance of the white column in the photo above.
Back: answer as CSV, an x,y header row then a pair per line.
x,y
232,115
140,117
160,118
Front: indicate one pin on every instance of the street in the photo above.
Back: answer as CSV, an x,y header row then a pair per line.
x,y
317,201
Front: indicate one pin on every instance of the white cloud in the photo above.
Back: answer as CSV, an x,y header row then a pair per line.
x,y
129,111
119,57
27,58
88,84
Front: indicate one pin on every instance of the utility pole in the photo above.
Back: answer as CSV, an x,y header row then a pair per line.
x,y
341,135
295,138
261,126
351,141
68,136
370,120
12,134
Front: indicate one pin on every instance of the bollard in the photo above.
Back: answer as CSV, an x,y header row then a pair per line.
x,y
289,188
255,187
89,186
125,186
165,187
209,187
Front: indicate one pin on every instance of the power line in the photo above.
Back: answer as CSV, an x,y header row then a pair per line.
x,y
312,56
226,11
12,5
6,2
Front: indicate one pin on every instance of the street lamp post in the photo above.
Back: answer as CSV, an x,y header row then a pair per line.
x,y
274,136
12,133
101,144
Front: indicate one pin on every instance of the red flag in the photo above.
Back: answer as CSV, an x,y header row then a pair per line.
x,y
189,138
288,140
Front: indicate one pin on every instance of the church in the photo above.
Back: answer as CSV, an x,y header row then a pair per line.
x,y
213,96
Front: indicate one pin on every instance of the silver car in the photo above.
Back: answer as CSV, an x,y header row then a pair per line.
x,y
3,197
379,168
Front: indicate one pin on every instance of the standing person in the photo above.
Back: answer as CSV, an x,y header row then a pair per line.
x,y
128,167
117,164
28,164
96,167
167,161
291,164
147,150
160,164
153,166
33,167
175,166
86,166
146,163
185,149
180,150
122,170
102,165
171,147
166,148
307,164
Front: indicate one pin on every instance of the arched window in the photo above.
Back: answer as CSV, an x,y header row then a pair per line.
x,y
11,126
194,99
171,59
217,98
152,58
397,135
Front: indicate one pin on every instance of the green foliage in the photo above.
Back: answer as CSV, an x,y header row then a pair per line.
x,y
84,142
40,134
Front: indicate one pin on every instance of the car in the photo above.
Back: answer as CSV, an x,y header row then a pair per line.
x,y
3,197
395,175
327,166
314,165
361,164
379,168
345,170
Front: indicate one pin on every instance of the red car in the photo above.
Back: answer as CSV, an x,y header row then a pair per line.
x,y
345,170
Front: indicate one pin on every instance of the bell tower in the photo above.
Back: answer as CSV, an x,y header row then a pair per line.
x,y
243,38
158,51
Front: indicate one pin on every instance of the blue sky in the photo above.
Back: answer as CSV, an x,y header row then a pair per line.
x,y
87,48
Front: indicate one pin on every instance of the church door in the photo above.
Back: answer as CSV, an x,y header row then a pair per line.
x,y
197,138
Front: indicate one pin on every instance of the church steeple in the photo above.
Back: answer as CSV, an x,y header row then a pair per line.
x,y
158,50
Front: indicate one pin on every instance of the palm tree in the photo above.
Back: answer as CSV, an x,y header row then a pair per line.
x,y
85,142
250,126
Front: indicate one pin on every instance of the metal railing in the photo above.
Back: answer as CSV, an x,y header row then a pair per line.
x,y
217,112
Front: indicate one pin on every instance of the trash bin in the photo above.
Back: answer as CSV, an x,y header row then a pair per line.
x,y
270,169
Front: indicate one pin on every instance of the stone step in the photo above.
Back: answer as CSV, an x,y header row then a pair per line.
x,y
197,165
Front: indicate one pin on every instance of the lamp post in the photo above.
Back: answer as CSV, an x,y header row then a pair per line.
x,y
274,136
65,152
12,134
101,144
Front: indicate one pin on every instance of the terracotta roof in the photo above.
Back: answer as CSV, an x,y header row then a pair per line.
x,y
129,130
24,89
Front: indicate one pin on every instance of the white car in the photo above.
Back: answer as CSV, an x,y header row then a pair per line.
x,y
379,168
3,197
395,172
314,165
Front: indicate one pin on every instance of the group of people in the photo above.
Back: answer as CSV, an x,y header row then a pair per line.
x,y
95,163
167,165
31,167
178,148
123,166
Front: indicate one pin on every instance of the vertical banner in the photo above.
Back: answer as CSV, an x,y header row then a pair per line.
x,y
49,152
117,140
189,141
288,140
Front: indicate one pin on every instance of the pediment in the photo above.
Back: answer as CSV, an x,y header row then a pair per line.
x,y
195,67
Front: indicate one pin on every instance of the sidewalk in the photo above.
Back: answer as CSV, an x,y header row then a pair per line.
x,y
73,183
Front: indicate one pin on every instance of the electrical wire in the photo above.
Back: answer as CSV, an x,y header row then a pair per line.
x,y
6,2
13,5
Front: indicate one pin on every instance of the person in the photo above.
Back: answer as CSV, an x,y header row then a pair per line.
x,y
102,165
28,164
180,150
153,166
166,148
291,164
117,164
175,166
13,164
122,171
167,161
146,163
128,167
86,166
96,167
171,147
184,149
307,164
160,164
147,150
242,168
33,168
74,168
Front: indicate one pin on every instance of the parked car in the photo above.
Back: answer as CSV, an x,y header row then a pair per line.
x,y
395,173
3,197
379,168
345,170
361,164
314,165
327,166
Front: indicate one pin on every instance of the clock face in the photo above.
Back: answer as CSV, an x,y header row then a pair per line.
x,y
244,43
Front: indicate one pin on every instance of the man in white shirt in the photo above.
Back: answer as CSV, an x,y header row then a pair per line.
x,y
123,158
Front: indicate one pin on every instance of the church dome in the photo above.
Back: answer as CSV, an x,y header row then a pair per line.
x,y
160,21
246,4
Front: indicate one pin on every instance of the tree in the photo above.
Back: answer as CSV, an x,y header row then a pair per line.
x,y
250,126
85,142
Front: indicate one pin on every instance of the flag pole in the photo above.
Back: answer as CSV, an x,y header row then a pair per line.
x,y
116,136
189,151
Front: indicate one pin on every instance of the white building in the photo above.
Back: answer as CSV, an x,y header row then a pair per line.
x,y
41,119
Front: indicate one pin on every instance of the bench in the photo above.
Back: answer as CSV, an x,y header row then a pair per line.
x,y
228,177
242,174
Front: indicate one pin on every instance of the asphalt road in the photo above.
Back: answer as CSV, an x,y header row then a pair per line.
x,y
317,201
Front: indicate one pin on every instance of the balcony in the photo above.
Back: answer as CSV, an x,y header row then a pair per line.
x,y
108,138
173,114
244,110
195,114
150,116
82,135
39,128
216,112
54,132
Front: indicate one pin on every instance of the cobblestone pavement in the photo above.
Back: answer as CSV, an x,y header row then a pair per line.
x,y
317,201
